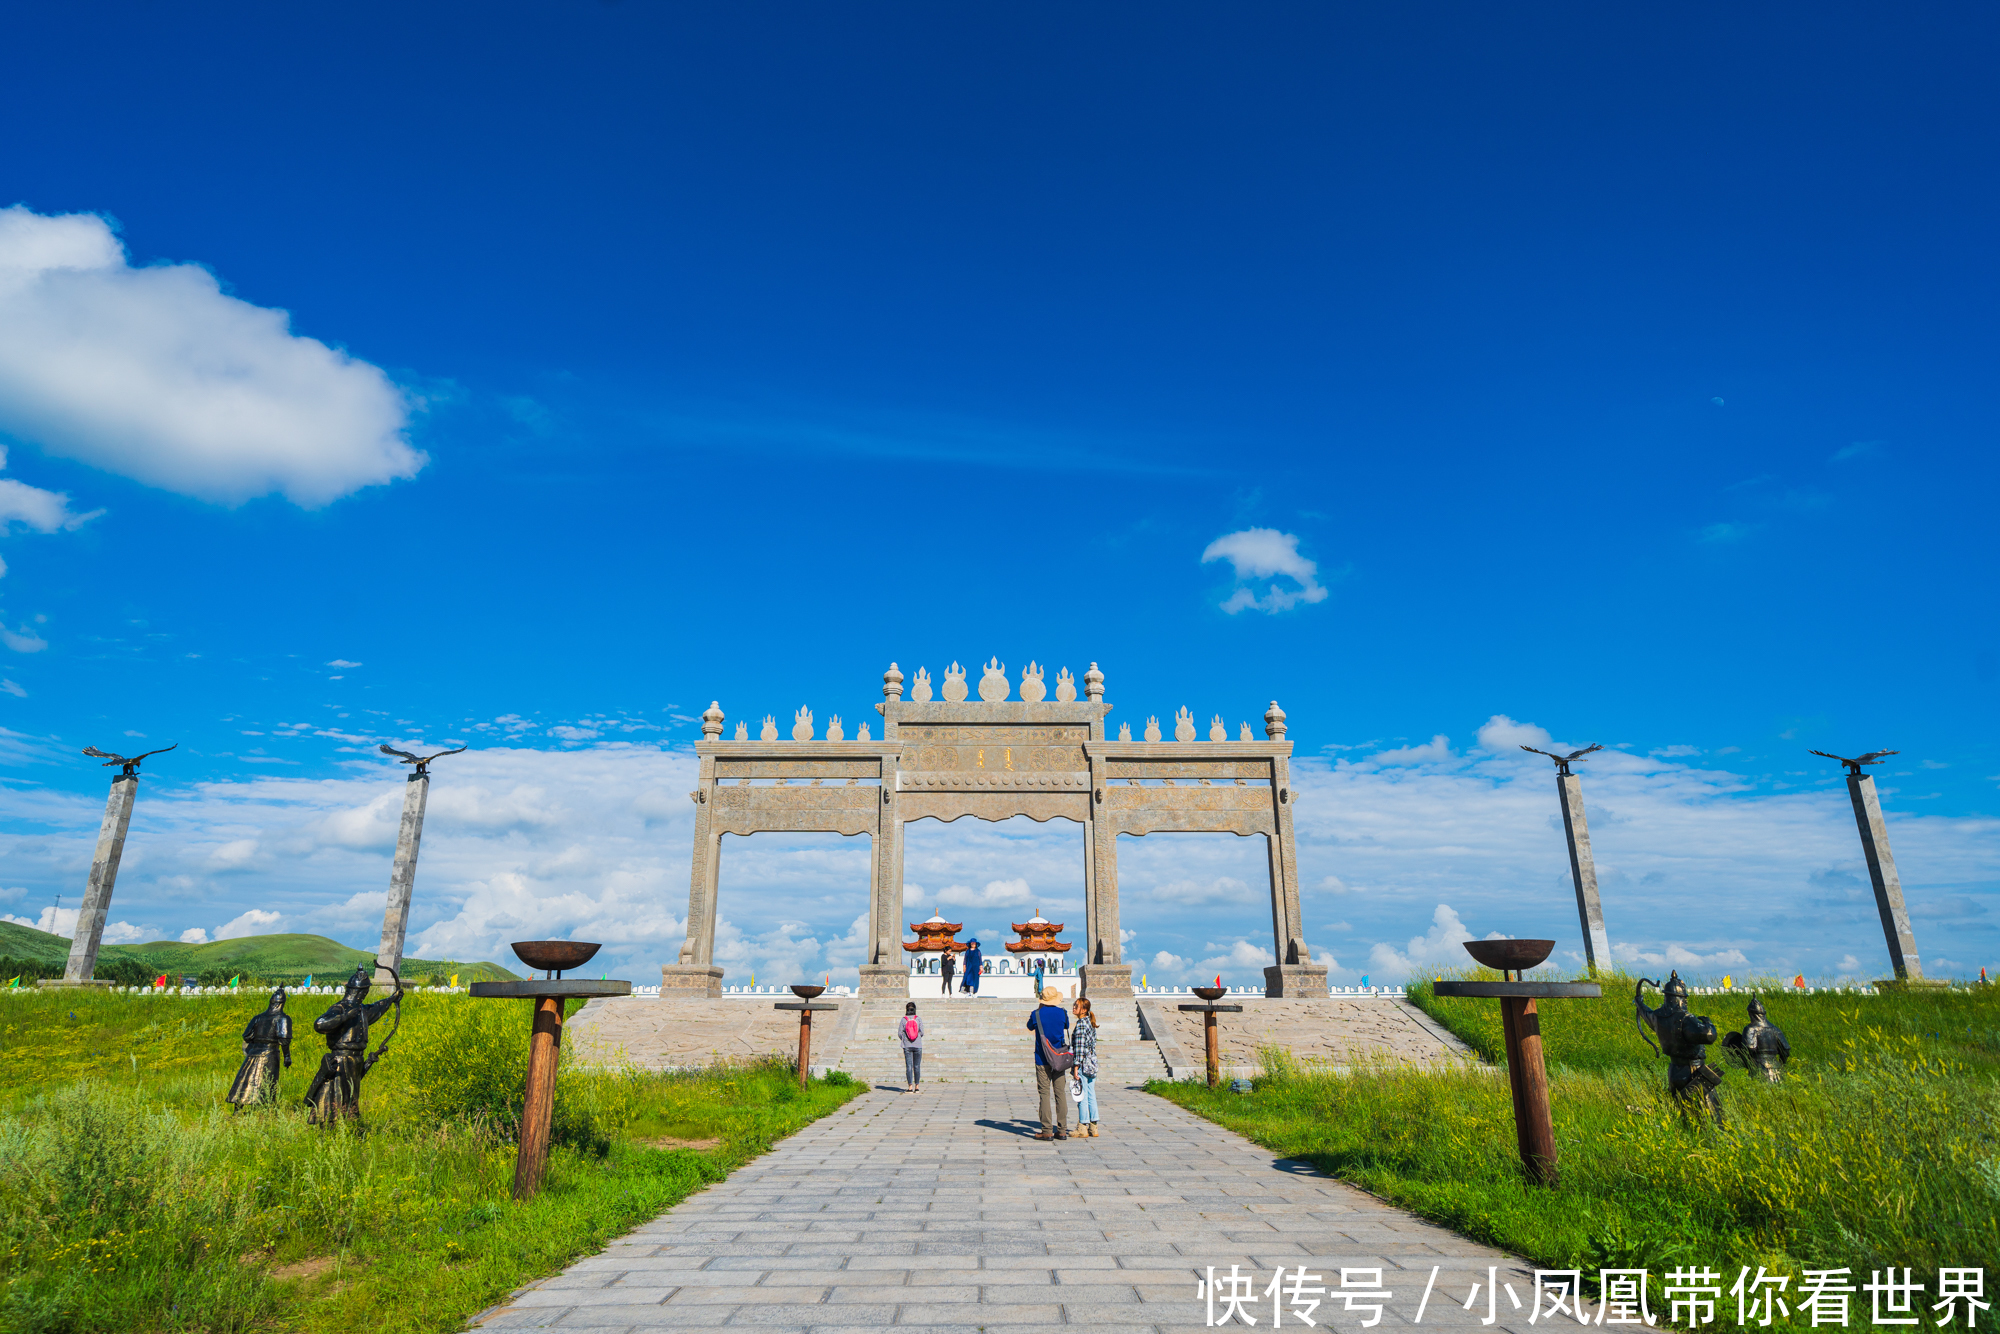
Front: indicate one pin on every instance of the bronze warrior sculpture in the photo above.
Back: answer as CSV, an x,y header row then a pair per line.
x,y
265,1041
1760,1045
1683,1040
336,1089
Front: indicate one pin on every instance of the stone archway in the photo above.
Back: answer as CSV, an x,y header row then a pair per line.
x,y
995,759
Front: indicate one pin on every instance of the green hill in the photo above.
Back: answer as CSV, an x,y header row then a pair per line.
x,y
283,958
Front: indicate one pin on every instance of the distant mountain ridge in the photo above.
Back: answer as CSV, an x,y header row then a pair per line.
x,y
281,958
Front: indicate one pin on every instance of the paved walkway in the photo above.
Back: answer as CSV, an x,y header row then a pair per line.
x,y
936,1211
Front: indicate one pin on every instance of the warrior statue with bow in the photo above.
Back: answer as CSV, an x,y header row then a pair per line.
x,y
336,1089
1760,1044
1683,1039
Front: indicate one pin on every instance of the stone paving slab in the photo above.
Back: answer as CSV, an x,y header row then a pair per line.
x,y
939,1212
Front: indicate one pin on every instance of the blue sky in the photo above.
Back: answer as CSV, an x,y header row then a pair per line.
x,y
1623,375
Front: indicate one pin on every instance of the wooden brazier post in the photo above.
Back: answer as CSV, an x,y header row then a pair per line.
x,y
1527,1075
544,1044
1211,1039
547,994
805,1006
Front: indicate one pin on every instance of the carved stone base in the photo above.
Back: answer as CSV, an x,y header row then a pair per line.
x,y
881,981
1295,981
1107,981
690,981
65,982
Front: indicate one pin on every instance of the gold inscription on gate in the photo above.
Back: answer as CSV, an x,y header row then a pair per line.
x,y
1050,750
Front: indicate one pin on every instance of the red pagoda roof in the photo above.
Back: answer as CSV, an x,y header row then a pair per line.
x,y
936,934
1038,935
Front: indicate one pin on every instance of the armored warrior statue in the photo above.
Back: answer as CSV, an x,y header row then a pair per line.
x,y
267,1039
1760,1045
336,1089
1683,1040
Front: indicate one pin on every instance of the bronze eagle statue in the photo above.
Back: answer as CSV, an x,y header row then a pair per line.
x,y
1854,765
421,761
131,763
1564,761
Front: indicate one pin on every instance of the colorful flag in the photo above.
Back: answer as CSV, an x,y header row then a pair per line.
x,y
1142,979
308,982
234,980
1800,981
1725,981
16,983
1364,979
454,979
161,980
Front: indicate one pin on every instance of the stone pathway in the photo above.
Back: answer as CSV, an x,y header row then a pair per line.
x,y
937,1212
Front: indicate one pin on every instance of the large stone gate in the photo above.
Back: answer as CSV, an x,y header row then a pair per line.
x,y
995,758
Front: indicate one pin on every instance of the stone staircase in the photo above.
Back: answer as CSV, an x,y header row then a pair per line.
x,y
986,1041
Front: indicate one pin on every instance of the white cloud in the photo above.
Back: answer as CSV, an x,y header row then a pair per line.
x,y
233,855
1677,956
24,640
255,922
13,688
1170,966
62,922
43,511
1241,955
1674,752
156,374
343,664
1848,965
997,893
1266,554
194,935
1501,735
1220,889
1440,947
1437,752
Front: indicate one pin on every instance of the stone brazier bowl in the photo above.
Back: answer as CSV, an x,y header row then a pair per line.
x,y
1509,955
807,993
1210,993
556,956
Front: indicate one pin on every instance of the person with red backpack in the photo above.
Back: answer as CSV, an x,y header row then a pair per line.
x,y
910,1032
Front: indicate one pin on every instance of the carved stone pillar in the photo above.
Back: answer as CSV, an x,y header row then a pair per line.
x,y
1888,886
103,877
402,879
883,974
1583,872
1106,975
696,974
1295,976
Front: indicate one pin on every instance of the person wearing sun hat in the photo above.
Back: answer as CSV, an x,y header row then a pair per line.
x,y
1050,1023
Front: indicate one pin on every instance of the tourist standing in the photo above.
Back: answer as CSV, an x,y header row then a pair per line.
x,y
910,1032
975,964
949,966
1051,1027
1083,1042
1038,976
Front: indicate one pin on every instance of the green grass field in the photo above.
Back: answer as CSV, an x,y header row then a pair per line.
x,y
1880,1148
267,959
133,1199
